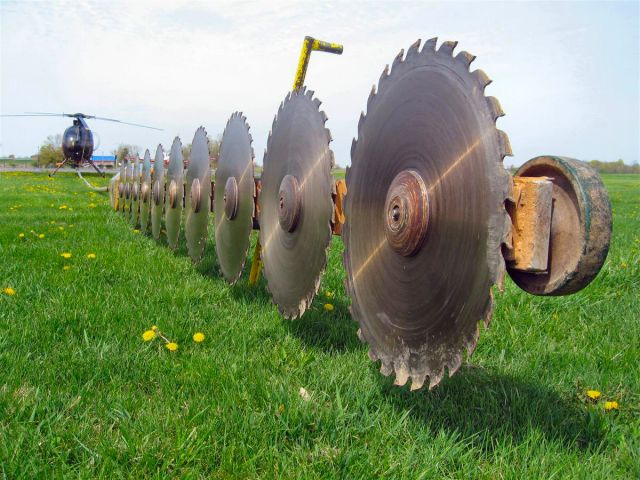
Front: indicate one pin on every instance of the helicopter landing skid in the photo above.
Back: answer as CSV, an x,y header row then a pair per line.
x,y
89,162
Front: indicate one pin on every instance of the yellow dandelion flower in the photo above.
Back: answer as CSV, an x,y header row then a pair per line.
x,y
623,265
21,235
66,267
148,335
63,207
611,406
593,394
172,346
52,222
65,255
60,228
9,291
135,230
91,256
92,205
328,294
198,337
41,235
328,307
154,328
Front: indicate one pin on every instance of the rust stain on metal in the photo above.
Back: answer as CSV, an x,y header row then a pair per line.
x,y
531,217
338,193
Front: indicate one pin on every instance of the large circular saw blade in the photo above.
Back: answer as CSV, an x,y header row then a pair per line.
x,y
425,215
295,203
157,193
135,192
174,193
198,196
145,192
234,201
122,186
129,190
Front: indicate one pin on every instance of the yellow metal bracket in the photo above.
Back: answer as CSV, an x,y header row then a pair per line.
x,y
309,44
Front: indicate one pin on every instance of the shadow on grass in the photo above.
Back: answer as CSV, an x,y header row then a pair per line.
x,y
329,332
497,409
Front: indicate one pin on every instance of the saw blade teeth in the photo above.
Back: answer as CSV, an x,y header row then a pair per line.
x,y
435,379
465,58
488,312
402,375
446,48
329,136
430,45
353,149
417,381
310,94
386,369
361,121
372,94
495,107
398,60
454,364
413,49
324,117
317,103
471,340
481,78
383,76
505,144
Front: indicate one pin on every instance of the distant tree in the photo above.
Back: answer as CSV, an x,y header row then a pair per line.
x,y
614,167
50,151
214,150
125,150
186,153
12,157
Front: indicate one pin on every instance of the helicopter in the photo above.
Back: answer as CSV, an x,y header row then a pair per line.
x,y
77,140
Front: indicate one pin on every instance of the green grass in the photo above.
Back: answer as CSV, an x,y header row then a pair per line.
x,y
82,395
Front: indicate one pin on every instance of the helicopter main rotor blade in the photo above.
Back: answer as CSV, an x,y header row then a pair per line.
x,y
125,123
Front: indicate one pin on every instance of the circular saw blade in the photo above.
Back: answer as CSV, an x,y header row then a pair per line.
x,y
135,193
198,196
145,192
129,191
234,201
122,186
419,307
174,193
295,203
157,193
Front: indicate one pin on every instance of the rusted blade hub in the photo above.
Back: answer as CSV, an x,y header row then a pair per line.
x,y
231,198
195,195
290,203
407,213
173,194
156,192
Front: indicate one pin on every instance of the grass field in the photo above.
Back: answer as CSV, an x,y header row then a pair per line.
x,y
81,394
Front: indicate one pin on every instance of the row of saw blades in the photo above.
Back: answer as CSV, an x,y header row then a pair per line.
x,y
425,208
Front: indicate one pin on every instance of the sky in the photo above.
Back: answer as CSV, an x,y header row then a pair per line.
x,y
566,73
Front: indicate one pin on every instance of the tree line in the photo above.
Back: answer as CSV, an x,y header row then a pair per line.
x,y
50,152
